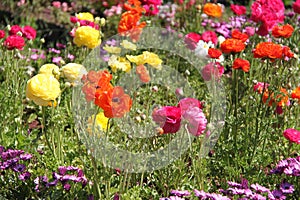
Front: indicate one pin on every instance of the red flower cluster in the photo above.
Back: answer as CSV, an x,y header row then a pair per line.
x,y
113,100
129,23
237,9
236,34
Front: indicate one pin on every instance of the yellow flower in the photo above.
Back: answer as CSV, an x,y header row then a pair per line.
x,y
85,16
147,57
119,63
87,36
73,72
101,122
112,49
42,89
51,69
128,45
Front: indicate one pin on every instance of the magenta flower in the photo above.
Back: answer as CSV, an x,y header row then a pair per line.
x,y
186,103
191,40
29,32
210,36
2,34
292,135
15,29
168,117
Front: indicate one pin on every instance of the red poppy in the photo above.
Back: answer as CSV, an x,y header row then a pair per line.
x,y
296,93
287,53
241,64
128,25
115,103
143,73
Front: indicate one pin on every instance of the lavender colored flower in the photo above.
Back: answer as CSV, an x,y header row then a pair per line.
x,y
71,57
67,186
62,170
54,50
26,156
287,188
24,176
57,60
276,195
180,193
200,194
18,168
259,188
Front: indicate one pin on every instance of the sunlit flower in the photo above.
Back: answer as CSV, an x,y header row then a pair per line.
x,y
128,45
214,53
85,16
168,118
73,72
296,93
212,10
267,50
112,49
100,122
50,68
87,36
14,42
42,89
119,63
202,49
147,57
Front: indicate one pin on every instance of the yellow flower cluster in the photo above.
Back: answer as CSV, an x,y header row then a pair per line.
x,y
87,36
85,16
119,63
146,58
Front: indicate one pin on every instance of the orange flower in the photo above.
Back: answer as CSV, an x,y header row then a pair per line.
x,y
128,25
232,45
212,10
115,103
241,64
285,31
296,93
143,73
281,99
268,50
214,53
137,7
236,34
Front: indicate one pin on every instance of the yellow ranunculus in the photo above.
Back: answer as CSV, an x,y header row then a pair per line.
x,y
147,57
87,36
73,72
119,63
42,89
51,69
101,122
85,16
112,49
128,45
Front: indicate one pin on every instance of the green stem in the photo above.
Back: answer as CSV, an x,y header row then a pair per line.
x,y
43,130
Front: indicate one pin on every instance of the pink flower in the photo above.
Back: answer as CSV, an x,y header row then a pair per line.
x,y
191,40
296,6
186,103
56,4
269,13
34,56
151,9
196,120
14,42
212,70
292,135
29,32
250,30
15,29
2,34
209,36
168,117
259,86
56,60
74,19
237,9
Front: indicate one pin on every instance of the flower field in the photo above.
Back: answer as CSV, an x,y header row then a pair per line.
x,y
150,99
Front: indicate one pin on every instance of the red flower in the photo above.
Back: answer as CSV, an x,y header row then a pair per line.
x,y
114,102
232,45
287,53
14,42
292,135
236,34
15,29
285,31
237,9
191,40
209,36
2,34
296,93
214,53
143,73
129,25
212,70
267,50
29,32
168,118
241,64
296,6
